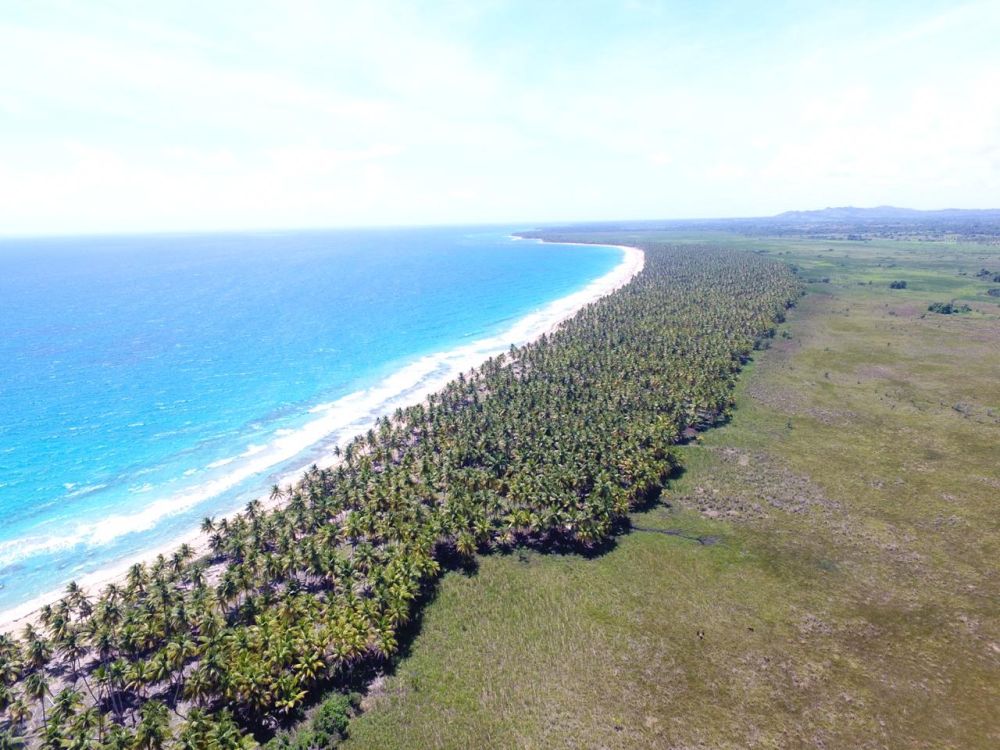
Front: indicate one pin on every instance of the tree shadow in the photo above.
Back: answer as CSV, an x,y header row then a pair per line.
x,y
360,677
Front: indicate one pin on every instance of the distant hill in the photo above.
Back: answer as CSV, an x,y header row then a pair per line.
x,y
887,213
841,223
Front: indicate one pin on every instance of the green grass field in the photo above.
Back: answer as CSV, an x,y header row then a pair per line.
x,y
823,574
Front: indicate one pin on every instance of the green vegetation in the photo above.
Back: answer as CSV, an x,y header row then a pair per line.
x,y
819,571
327,728
897,285
550,446
988,275
948,308
822,574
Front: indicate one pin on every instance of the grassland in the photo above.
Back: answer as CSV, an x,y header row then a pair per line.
x,y
823,574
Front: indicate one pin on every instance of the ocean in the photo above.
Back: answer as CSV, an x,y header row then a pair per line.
x,y
149,381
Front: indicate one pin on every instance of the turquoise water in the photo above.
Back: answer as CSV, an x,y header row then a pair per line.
x,y
149,381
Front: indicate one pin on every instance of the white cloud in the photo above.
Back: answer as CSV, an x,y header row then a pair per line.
x,y
384,112
725,172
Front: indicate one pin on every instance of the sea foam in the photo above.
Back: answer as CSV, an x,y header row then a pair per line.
x,y
270,452
335,424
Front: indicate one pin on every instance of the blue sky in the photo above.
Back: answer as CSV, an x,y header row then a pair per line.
x,y
130,116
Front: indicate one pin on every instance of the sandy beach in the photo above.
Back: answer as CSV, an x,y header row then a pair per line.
x,y
458,361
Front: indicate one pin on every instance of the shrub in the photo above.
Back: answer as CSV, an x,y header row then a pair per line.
x,y
897,285
993,292
948,308
333,715
327,728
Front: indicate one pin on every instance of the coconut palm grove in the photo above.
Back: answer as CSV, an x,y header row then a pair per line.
x,y
297,607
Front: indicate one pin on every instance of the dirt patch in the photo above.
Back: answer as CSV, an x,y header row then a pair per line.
x,y
375,694
831,417
754,487
907,311
876,372
751,485
794,404
779,399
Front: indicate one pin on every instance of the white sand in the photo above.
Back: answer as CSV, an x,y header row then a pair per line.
x,y
432,374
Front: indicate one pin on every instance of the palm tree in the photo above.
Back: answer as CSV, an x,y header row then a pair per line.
x,y
288,694
37,649
138,676
196,732
153,730
88,720
227,590
66,704
36,686
74,649
119,738
176,654
18,712
137,578
199,687
310,666
217,542
252,509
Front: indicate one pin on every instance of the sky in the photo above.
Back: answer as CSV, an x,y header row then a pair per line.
x,y
124,116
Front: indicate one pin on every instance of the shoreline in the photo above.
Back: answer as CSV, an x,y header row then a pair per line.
x,y
527,329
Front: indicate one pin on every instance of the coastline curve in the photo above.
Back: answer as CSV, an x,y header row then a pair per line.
x,y
343,419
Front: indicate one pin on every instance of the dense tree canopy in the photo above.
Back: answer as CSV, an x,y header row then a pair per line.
x,y
552,443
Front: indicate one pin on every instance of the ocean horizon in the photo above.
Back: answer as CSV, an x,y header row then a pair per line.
x,y
152,380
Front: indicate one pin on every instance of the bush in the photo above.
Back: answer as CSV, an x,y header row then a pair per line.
x,y
993,292
948,308
897,285
326,729
333,715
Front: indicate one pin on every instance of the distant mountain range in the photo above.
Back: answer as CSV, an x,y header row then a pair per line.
x,y
844,222
887,213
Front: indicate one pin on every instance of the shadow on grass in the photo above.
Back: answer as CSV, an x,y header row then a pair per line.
x,y
361,675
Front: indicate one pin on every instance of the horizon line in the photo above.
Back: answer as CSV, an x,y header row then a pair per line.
x,y
537,224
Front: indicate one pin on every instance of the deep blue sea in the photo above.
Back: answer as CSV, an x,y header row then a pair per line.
x,y
149,381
